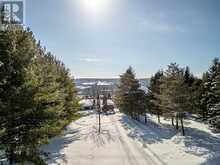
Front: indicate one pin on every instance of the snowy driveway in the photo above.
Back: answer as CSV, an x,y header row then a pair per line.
x,y
82,145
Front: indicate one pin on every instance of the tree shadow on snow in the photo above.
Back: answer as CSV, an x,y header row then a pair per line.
x,y
85,132
99,139
214,159
201,143
57,144
197,142
149,133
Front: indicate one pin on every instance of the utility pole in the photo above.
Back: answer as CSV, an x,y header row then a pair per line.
x,y
99,112
99,121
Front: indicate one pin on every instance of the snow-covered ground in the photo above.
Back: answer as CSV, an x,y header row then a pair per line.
x,y
123,141
199,146
86,103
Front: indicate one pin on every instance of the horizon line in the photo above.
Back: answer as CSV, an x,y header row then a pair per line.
x,y
105,78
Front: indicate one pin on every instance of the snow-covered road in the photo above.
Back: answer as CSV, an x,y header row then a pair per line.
x,y
83,145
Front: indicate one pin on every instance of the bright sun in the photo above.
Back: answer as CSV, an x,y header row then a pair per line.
x,y
95,7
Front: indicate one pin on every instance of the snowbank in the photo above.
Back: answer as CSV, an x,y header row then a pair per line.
x,y
89,83
145,89
83,87
110,102
103,83
86,103
199,146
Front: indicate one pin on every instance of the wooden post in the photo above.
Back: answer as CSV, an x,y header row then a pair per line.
x,y
177,123
99,121
99,112
158,117
183,131
172,121
11,155
145,117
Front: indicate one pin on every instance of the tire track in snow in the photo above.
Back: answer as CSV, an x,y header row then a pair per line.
x,y
131,158
139,125
145,158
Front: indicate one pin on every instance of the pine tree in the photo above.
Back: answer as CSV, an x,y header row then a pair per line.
x,y
125,84
129,98
214,109
205,86
188,77
208,96
175,95
141,106
196,96
37,96
153,103
212,73
195,87
17,53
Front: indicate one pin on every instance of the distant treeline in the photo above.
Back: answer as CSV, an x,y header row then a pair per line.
x,y
37,97
174,93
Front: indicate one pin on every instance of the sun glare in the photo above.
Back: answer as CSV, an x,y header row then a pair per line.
x,y
95,7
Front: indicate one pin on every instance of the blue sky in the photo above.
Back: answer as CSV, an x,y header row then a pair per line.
x,y
101,38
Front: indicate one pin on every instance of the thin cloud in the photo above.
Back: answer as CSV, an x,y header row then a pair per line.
x,y
154,26
91,60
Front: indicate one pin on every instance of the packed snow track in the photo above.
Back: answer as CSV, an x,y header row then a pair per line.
x,y
83,145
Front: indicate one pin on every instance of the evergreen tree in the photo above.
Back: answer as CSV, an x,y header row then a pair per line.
x,y
196,96
129,98
141,97
208,94
37,96
188,77
214,108
195,87
205,86
153,103
17,53
175,95
212,73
